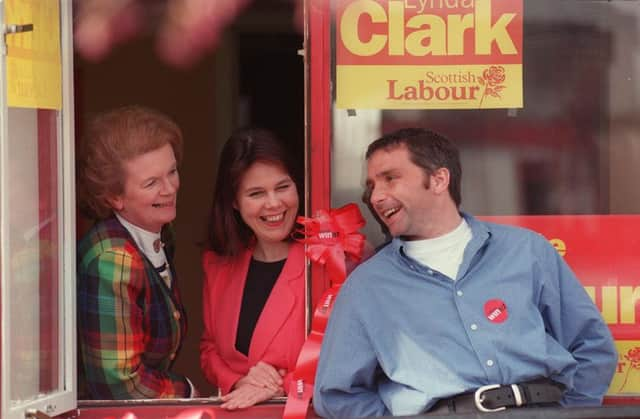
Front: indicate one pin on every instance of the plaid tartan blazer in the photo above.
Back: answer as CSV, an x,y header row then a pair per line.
x,y
130,324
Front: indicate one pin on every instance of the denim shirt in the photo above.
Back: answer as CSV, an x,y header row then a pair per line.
x,y
402,335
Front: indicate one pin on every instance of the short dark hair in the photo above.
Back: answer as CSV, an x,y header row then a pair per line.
x,y
113,138
428,150
227,233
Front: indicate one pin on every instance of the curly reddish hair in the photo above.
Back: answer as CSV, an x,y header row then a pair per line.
x,y
113,138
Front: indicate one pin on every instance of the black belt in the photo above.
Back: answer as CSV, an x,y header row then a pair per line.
x,y
496,397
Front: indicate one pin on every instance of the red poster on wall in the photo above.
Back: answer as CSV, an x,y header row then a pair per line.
x,y
429,54
603,251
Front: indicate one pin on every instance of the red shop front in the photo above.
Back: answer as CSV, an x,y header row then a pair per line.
x,y
541,97
530,92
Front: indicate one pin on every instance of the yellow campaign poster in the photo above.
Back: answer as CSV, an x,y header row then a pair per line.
x,y
431,54
34,73
627,378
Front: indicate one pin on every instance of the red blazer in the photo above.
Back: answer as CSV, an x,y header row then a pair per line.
x,y
279,332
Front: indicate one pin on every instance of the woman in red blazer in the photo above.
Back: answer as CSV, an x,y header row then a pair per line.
x,y
254,292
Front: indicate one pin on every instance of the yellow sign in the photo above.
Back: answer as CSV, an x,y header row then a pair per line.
x,y
432,87
34,73
453,54
627,377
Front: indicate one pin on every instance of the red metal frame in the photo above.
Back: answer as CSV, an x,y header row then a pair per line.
x,y
621,400
320,121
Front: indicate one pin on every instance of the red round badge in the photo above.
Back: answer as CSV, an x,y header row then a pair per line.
x,y
496,311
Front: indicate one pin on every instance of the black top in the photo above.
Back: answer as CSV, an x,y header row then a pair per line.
x,y
261,278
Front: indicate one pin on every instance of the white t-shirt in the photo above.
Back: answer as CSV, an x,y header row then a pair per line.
x,y
443,254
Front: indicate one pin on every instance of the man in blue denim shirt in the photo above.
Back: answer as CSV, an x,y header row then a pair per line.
x,y
453,305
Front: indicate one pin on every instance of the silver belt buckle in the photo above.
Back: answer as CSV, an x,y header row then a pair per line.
x,y
478,398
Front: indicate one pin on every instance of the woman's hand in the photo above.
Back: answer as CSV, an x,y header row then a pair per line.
x,y
261,383
262,375
246,395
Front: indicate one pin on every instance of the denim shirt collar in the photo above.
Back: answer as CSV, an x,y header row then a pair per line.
x,y
481,235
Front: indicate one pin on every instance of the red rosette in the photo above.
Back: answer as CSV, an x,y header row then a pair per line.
x,y
332,236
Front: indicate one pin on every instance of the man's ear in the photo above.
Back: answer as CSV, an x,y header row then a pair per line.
x,y
439,180
116,202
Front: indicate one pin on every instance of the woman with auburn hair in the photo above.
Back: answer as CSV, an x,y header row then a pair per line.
x,y
131,322
254,292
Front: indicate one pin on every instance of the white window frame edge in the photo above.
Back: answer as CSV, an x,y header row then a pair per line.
x,y
4,393
66,399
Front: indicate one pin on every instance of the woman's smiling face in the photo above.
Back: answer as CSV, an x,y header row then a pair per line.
x,y
150,189
267,200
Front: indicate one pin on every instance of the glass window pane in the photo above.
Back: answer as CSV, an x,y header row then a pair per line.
x,y
33,242
565,164
37,210
571,149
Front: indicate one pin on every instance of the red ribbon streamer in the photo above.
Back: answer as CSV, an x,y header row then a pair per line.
x,y
330,237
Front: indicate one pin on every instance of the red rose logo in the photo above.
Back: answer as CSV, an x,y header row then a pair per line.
x,y
633,356
492,79
494,75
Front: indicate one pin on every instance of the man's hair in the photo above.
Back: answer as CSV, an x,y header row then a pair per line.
x,y
228,234
428,150
112,139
